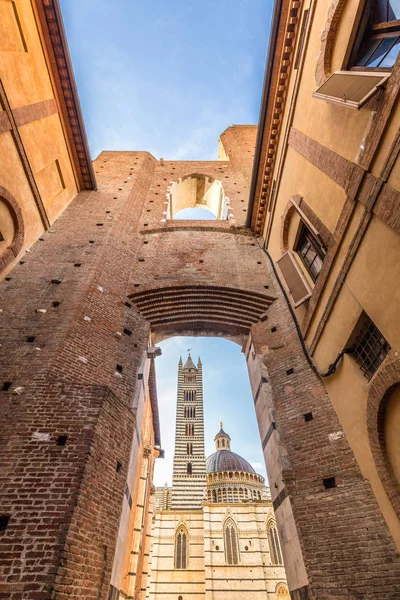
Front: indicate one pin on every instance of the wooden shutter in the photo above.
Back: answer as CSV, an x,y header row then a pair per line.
x,y
294,278
351,88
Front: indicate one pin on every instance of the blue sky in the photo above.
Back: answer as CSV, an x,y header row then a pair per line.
x,y
169,77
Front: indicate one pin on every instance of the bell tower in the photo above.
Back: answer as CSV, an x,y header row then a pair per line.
x,y
189,474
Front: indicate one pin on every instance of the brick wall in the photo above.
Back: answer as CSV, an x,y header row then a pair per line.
x,y
71,294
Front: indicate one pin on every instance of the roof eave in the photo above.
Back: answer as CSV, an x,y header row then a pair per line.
x,y
55,45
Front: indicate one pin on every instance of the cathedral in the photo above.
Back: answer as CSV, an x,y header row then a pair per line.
x,y
214,532
300,268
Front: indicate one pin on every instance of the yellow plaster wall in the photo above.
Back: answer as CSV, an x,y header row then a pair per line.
x,y
44,144
26,80
23,73
321,120
372,283
13,178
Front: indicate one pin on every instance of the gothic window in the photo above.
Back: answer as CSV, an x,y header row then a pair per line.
x,y
189,395
231,543
274,546
189,448
181,548
189,468
189,378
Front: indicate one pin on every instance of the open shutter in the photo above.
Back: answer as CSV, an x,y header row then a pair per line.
x,y
351,88
295,280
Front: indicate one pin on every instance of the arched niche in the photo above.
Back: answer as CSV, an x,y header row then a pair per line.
x,y
383,422
197,191
11,228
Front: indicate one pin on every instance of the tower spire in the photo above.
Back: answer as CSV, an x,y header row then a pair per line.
x,y
189,474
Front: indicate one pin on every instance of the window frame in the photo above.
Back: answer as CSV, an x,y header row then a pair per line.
x,y
181,555
231,543
365,32
319,248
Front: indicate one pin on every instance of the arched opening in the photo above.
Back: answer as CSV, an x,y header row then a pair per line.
x,y
231,540
189,468
197,192
181,548
390,430
194,214
282,591
274,545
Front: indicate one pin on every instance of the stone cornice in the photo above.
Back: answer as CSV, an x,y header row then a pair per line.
x,y
52,33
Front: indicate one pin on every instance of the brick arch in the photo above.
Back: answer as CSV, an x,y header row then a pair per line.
x,y
204,185
384,383
286,217
224,310
13,250
328,36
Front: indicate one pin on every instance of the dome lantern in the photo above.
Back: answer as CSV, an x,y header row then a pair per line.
x,y
222,440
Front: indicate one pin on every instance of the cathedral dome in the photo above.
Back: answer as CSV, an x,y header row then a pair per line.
x,y
225,460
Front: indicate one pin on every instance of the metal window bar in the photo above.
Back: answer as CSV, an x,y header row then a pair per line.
x,y
371,349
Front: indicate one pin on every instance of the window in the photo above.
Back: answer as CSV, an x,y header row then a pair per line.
x,y
378,39
274,547
189,448
231,543
189,469
190,413
190,378
189,395
310,251
298,286
181,548
189,429
370,347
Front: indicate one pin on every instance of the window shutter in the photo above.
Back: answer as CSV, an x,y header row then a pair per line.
x,y
295,280
351,88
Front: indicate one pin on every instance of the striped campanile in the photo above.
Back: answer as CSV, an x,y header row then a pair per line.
x,y
189,476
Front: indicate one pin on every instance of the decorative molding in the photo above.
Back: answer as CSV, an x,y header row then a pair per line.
x,y
277,110
382,384
337,168
34,112
13,250
24,158
285,221
5,124
59,62
328,36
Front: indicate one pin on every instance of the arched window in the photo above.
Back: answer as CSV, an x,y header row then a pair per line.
x,y
282,592
189,449
223,443
274,546
189,468
214,496
181,552
231,543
